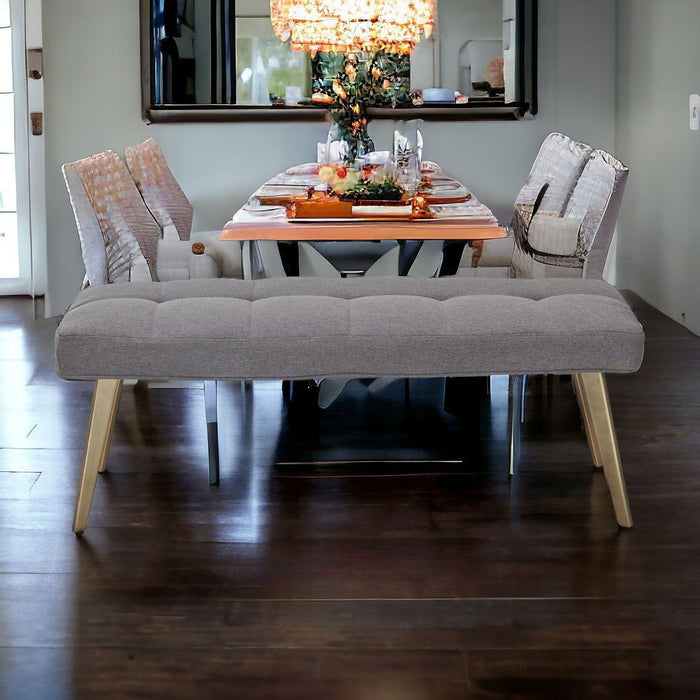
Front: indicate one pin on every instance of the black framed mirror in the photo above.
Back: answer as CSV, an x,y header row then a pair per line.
x,y
218,60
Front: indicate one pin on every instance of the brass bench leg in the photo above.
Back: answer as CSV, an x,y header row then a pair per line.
x,y
586,414
105,400
594,395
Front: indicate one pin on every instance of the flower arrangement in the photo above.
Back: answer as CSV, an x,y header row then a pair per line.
x,y
369,183
349,83
366,190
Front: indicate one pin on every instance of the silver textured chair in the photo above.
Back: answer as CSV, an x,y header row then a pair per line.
x,y
563,224
119,238
571,233
574,243
122,242
173,211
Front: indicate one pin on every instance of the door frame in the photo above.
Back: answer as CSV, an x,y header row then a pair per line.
x,y
25,16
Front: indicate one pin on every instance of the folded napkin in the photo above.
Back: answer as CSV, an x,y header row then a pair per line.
x,y
303,169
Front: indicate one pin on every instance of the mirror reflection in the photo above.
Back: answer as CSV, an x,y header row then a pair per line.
x,y
224,52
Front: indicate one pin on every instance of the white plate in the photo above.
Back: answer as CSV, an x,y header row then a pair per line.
x,y
261,209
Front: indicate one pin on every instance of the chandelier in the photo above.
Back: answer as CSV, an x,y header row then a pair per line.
x,y
345,26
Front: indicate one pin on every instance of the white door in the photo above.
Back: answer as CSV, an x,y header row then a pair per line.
x,y
509,51
22,218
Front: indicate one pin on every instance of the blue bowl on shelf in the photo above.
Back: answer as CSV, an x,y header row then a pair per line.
x,y
438,95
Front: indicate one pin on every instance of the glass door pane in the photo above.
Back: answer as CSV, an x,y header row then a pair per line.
x,y
11,50
9,249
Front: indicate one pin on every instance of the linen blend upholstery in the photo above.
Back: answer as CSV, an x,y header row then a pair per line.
x,y
120,240
173,211
303,328
584,189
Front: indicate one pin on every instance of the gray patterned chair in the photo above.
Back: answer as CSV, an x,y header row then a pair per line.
x,y
119,238
122,242
563,223
571,232
173,211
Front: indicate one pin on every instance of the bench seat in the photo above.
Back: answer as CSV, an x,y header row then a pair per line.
x,y
301,328
297,328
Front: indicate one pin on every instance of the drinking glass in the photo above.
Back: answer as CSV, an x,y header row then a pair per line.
x,y
407,154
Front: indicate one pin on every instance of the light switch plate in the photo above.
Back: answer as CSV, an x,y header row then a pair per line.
x,y
695,112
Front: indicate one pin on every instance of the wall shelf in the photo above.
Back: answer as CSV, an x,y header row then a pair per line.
x,y
300,113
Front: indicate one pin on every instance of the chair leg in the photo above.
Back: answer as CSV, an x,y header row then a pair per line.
x,y
586,415
595,395
210,411
105,400
516,391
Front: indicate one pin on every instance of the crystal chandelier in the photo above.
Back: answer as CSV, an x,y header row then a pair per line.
x,y
345,26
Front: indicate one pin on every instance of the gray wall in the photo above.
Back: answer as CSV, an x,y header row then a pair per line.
x,y
93,103
659,229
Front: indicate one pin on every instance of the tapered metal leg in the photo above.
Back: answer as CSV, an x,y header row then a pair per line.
x,y
105,400
595,396
247,260
516,390
586,415
212,431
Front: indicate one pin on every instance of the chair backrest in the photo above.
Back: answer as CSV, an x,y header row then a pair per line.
x,y
160,190
92,244
596,199
588,185
559,163
118,235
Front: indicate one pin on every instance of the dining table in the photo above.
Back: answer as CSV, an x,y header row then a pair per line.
x,y
458,216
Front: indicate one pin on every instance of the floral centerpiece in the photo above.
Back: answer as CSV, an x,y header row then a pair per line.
x,y
384,189
350,83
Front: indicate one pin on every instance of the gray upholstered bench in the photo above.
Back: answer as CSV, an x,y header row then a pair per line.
x,y
300,328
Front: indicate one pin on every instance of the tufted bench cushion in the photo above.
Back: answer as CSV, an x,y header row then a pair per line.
x,y
297,328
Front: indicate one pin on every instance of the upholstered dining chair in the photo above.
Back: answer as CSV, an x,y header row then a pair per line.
x,y
172,209
575,241
571,233
119,238
558,164
174,213
577,191
121,242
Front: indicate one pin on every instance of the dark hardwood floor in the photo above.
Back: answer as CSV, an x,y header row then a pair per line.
x,y
358,577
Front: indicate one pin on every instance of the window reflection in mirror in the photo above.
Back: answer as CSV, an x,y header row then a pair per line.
x,y
224,52
266,70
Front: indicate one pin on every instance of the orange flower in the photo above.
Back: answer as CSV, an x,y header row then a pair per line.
x,y
386,84
322,98
350,71
376,72
339,90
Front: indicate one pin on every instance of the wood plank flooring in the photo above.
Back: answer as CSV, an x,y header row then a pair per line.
x,y
360,576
